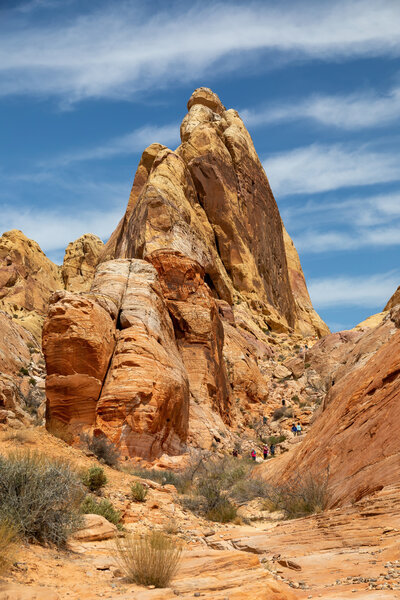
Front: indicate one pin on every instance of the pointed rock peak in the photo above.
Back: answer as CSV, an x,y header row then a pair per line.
x,y
208,98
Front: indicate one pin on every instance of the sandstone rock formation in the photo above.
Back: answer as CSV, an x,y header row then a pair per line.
x,y
211,200
80,261
20,374
27,278
354,436
187,290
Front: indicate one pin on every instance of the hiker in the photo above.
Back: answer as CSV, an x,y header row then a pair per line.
x,y
265,451
298,429
253,454
272,449
265,420
235,453
283,402
294,429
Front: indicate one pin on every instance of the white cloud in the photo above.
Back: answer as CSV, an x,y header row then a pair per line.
x,y
314,241
116,51
54,230
318,168
366,291
135,141
351,112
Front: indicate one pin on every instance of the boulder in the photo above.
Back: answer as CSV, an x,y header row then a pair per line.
x,y
94,529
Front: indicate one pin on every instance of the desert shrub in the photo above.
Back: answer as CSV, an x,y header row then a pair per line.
x,y
23,371
276,439
295,398
91,506
171,527
307,365
248,489
223,512
103,449
40,496
303,495
94,478
150,560
9,543
282,411
32,381
139,492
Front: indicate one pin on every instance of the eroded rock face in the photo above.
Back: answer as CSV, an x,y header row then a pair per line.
x,y
354,434
78,341
211,201
27,279
80,262
113,365
143,406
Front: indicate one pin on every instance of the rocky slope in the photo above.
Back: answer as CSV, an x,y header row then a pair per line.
x,y
189,287
353,436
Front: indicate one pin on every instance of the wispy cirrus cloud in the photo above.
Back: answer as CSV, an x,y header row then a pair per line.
x,y
119,50
130,143
357,223
363,291
349,112
319,168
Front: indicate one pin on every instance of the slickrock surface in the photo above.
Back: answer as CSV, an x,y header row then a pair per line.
x,y
354,434
80,261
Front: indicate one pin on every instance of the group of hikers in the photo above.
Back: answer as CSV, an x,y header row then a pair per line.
x,y
296,429
266,452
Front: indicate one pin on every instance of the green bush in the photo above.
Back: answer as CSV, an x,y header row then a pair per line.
x,y
139,492
149,560
23,371
94,478
41,497
91,506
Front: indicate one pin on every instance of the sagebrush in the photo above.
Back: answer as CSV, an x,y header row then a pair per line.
x,y
138,491
152,559
301,496
41,497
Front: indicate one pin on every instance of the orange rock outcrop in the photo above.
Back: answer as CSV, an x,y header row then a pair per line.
x,y
354,435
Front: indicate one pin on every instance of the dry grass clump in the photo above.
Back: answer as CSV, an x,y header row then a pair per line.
x,y
40,496
282,411
20,436
149,560
9,544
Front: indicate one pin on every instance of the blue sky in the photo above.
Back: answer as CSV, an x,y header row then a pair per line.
x,y
86,86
